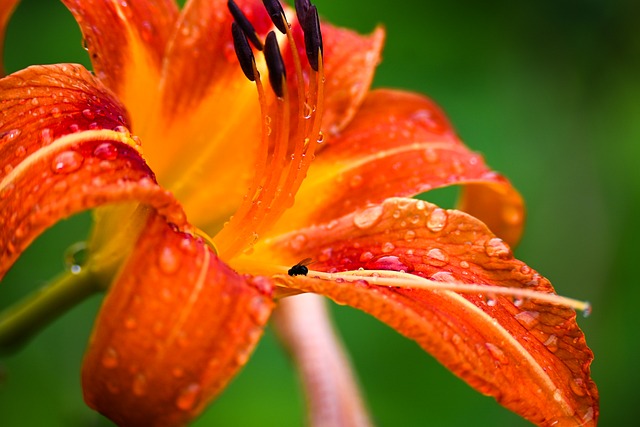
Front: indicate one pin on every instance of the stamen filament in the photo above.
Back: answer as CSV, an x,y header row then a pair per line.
x,y
398,279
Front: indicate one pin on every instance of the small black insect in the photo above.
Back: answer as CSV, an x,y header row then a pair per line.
x,y
300,269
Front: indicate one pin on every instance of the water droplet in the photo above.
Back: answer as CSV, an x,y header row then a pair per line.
x,y
76,256
586,311
67,162
34,101
20,151
356,181
496,247
110,358
366,256
518,302
525,269
139,384
437,220
391,263
491,301
298,242
557,395
168,260
577,386
88,114
47,136
410,236
552,343
368,217
387,247
130,323
464,264
528,319
55,112
106,151
497,353
188,397
307,110
320,137
436,257
420,205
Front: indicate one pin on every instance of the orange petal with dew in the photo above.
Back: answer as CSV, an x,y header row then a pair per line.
x,y
6,9
176,326
528,354
64,148
401,144
126,41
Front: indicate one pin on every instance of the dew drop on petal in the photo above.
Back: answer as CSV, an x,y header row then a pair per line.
x,y
552,343
298,242
20,151
464,264
139,384
528,319
387,247
168,260
577,386
436,257
497,353
410,236
67,162
188,397
110,358
366,256
106,151
557,395
88,114
437,220
496,247
368,217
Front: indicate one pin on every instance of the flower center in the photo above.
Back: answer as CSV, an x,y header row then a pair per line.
x,y
291,117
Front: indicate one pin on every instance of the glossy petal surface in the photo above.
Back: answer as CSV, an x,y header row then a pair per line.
x,y
530,356
64,149
401,144
175,327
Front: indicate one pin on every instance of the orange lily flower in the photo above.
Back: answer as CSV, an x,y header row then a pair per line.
x,y
202,217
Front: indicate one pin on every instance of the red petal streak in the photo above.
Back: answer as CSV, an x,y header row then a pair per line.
x,y
176,326
6,9
530,356
401,144
58,155
127,41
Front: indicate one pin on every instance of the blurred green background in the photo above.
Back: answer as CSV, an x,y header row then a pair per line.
x,y
548,90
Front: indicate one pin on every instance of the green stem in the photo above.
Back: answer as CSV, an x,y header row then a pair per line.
x,y
20,322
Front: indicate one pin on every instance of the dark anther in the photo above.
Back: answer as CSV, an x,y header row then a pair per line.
x,y
302,10
274,8
275,64
244,23
312,37
243,51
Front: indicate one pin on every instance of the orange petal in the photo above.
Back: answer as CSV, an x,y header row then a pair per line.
x,y
175,327
531,356
64,149
401,144
127,41
6,9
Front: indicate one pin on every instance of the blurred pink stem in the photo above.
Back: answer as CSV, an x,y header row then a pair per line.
x,y
333,395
